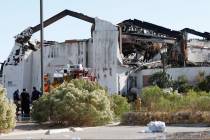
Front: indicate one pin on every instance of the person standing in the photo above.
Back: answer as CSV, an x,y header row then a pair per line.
x,y
16,99
35,94
25,102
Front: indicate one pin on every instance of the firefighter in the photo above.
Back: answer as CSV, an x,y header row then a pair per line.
x,y
35,94
16,100
25,103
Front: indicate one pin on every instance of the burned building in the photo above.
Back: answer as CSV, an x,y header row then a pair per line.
x,y
115,54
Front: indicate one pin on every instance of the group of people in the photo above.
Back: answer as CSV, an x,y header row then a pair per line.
x,y
23,100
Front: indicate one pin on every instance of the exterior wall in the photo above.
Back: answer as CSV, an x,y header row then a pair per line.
x,y
123,74
17,76
58,56
198,54
198,51
27,73
189,72
104,55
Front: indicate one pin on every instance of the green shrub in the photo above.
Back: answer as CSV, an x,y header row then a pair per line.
x,y
7,112
161,79
86,85
150,96
181,84
79,102
154,99
204,85
42,109
119,105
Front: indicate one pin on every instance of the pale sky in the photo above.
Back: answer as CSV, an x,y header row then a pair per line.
x,y
16,15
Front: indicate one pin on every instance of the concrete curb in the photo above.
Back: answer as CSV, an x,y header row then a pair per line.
x,y
46,132
113,124
56,131
25,132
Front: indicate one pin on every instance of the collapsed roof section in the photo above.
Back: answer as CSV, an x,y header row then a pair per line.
x,y
142,42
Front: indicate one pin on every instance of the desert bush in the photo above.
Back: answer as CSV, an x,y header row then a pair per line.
x,y
150,96
42,109
197,101
79,102
154,99
86,85
119,105
7,112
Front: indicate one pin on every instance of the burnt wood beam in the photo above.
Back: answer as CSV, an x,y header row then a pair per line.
x,y
60,16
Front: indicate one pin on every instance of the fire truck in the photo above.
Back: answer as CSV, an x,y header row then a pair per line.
x,y
67,73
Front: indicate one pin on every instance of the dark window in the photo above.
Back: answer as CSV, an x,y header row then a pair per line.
x,y
17,52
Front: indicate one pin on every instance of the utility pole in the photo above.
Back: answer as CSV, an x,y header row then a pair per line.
x,y
41,45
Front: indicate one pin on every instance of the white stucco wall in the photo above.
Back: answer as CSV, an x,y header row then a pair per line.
x,y
198,54
198,51
57,56
17,76
189,72
27,73
123,73
105,47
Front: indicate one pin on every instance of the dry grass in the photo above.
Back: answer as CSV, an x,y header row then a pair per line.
x,y
182,117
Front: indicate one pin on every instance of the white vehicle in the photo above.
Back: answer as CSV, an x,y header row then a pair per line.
x,y
77,67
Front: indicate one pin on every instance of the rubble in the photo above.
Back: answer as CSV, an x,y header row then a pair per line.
x,y
24,36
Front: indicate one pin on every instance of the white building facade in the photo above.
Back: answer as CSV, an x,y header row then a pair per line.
x,y
101,53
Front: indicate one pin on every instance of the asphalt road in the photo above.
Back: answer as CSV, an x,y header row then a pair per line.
x,y
108,132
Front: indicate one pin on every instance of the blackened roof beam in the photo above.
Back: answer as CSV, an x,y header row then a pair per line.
x,y
205,35
61,15
153,27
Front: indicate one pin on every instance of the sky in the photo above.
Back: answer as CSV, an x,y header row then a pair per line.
x,y
17,15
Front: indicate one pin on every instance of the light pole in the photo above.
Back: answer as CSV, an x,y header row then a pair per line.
x,y
41,45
